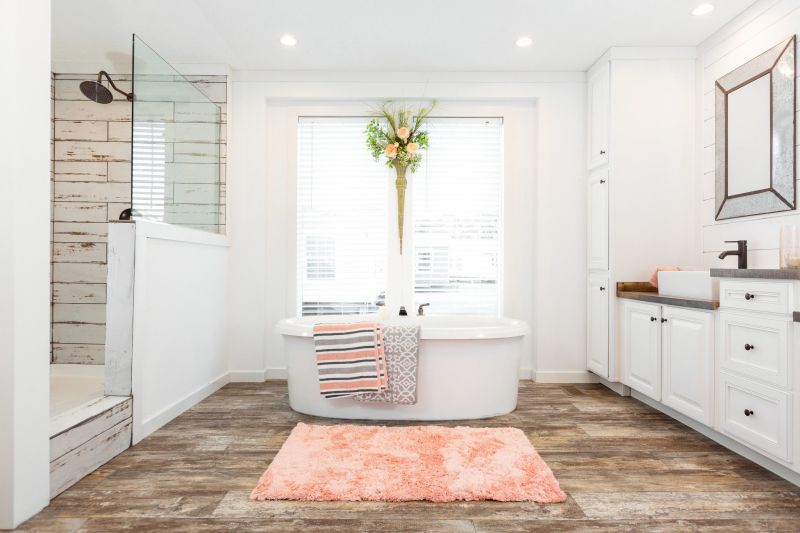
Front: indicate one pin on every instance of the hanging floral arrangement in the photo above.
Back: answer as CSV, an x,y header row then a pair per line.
x,y
397,137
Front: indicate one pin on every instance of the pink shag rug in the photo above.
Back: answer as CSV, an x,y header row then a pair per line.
x,y
440,464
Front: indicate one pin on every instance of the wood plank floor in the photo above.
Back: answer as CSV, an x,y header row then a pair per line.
x,y
625,467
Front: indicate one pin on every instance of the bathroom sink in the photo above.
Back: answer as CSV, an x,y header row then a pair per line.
x,y
694,284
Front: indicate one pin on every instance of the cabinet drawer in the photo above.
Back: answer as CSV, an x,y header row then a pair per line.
x,y
755,347
769,296
756,415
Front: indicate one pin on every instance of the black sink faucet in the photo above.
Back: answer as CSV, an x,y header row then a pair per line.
x,y
741,251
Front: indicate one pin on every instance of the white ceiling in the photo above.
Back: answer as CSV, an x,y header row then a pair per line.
x,y
359,35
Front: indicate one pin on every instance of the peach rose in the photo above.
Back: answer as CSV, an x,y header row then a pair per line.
x,y
403,133
390,151
412,148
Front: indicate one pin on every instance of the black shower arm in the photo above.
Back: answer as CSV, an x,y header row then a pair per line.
x,y
102,73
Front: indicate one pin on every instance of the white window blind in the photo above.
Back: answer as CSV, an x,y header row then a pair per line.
x,y
149,175
341,218
458,198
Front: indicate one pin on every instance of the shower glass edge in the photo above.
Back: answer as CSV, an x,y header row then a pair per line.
x,y
175,146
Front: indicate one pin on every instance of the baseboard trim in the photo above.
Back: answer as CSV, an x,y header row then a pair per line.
x,y
558,376
247,376
546,376
146,427
776,468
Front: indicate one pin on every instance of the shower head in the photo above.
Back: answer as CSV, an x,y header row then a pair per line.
x,y
97,92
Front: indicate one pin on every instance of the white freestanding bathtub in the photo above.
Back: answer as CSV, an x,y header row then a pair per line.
x,y
468,368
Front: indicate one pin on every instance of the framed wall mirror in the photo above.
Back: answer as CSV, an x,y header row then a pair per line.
x,y
755,135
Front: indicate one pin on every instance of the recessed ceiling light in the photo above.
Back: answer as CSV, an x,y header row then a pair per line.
x,y
703,9
288,40
524,42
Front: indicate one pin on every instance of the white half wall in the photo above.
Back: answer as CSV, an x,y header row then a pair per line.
x,y
24,261
762,26
546,193
179,322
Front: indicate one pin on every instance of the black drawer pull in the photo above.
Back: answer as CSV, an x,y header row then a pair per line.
x,y
602,152
749,412
602,288
653,319
748,296
749,347
663,320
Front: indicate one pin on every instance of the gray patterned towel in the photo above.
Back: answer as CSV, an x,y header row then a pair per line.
x,y
401,344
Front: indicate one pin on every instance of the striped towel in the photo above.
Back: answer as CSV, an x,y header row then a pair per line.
x,y
401,344
350,359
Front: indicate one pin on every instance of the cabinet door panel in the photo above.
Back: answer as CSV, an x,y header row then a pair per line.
x,y
598,221
687,351
641,348
757,415
599,117
597,323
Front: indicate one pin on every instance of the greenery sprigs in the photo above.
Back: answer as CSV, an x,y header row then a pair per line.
x,y
397,135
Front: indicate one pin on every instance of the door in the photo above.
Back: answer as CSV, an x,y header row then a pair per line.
x,y
687,353
597,352
641,347
599,101
598,220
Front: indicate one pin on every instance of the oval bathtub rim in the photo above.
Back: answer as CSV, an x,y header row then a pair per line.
x,y
505,328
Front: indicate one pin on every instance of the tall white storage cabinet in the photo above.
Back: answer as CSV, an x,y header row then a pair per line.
x,y
641,159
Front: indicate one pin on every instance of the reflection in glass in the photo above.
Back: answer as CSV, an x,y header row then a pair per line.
x,y
175,168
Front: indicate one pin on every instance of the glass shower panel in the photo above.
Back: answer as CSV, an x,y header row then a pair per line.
x,y
175,169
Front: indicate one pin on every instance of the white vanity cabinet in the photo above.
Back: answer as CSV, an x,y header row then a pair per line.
x,y
641,347
637,213
668,355
757,380
687,362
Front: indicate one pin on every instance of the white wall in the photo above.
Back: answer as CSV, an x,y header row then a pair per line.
x,y
24,260
546,236
179,322
762,26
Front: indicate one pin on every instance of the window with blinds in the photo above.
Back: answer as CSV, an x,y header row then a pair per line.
x,y
458,198
341,219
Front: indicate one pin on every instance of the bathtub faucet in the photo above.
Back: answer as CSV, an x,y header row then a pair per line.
x,y
421,310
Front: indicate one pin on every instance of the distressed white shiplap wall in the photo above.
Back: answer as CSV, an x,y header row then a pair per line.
x,y
91,175
763,25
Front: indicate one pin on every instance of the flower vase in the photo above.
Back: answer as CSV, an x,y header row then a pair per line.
x,y
400,183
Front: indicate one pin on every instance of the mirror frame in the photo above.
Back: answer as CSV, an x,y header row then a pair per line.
x,y
779,64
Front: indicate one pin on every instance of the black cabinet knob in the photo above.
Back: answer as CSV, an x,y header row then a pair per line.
x,y
748,296
749,412
749,347
602,152
663,320
602,288
653,319
602,181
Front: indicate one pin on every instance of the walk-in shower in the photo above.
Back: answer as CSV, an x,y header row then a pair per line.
x,y
151,150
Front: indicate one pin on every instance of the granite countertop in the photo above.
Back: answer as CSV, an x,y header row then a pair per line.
x,y
644,292
756,273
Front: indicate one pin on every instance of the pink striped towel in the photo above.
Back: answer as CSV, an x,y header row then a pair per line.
x,y
350,359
